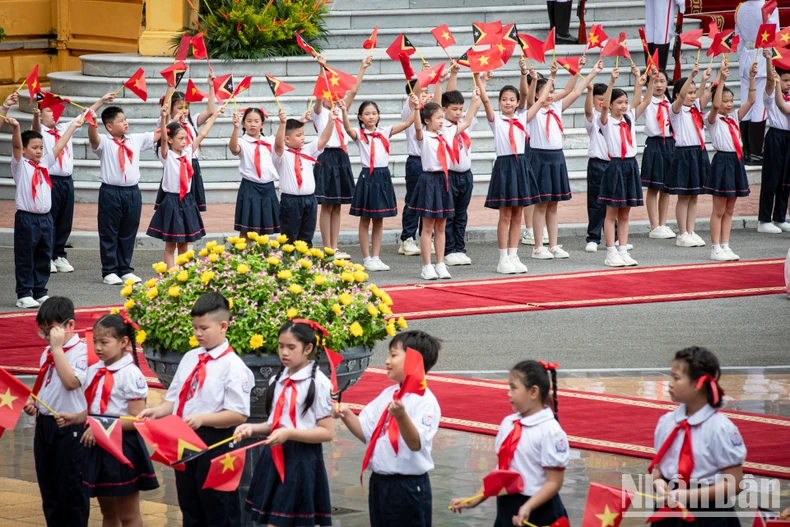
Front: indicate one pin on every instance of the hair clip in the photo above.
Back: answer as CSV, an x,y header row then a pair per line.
x,y
315,325
715,389
128,321
550,366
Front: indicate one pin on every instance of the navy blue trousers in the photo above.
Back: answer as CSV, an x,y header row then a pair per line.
x,y
409,218
33,235
298,217
461,184
119,219
62,213
596,212
773,193
400,501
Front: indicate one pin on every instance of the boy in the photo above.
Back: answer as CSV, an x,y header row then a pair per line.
x,y
773,189
33,228
213,407
120,202
598,158
45,122
404,474
57,451
294,162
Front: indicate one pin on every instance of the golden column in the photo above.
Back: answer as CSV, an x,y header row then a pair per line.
x,y
164,20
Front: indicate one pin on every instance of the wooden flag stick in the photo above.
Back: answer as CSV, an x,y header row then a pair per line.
x,y
331,95
474,79
418,54
468,500
224,441
42,403
119,90
617,61
77,105
711,61
3,117
699,50
310,103
278,102
21,85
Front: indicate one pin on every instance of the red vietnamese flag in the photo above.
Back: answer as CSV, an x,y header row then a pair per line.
x,y
782,39
692,38
414,371
193,94
223,87
278,87
339,80
334,359
765,36
486,60
136,84
570,63
173,74
243,86
596,37
89,119
54,103
322,91
501,482
183,47
199,50
532,47
605,506
92,357
302,43
405,64
643,39
486,32
224,473
430,76
371,42
616,47
33,85
171,438
508,41
401,44
13,396
108,435
666,512
768,8
548,44
443,36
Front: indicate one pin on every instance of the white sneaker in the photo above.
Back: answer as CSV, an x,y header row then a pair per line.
x,y
464,259
517,265
433,249
457,259
541,253
381,265
131,276
591,247
42,299
342,255
685,240
27,303
408,247
429,273
52,268
528,238
112,279
784,226
698,240
731,256
375,265
660,233
769,228
719,255
627,260
614,260
505,266
62,265
559,252
441,271
668,231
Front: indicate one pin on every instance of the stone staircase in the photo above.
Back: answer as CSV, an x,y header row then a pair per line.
x,y
349,27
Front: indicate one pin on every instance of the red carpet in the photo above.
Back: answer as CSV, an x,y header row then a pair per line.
x,y
606,423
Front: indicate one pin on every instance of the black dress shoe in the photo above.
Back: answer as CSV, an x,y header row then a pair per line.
x,y
566,39
754,160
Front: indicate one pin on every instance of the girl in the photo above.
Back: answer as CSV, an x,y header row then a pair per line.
x,y
620,185
727,180
177,220
532,443
116,485
690,163
298,493
657,157
257,208
374,195
697,444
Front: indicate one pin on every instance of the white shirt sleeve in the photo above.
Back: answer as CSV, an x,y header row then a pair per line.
x,y
554,451
102,144
322,403
727,446
79,364
136,387
146,141
237,388
426,416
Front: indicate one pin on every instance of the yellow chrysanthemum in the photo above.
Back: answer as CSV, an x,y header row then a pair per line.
x,y
207,277
386,299
273,260
289,248
241,246
391,331
189,254
114,311
319,279
126,291
291,313
174,291
256,341
355,329
402,323
203,252
252,236
282,238
243,269
210,245
193,343
183,276
285,274
181,259
141,335
295,288
152,293
341,263
129,282
329,251
263,240
360,276
336,309
305,263
151,282
345,298
213,258
219,249
274,244
373,310
384,308
346,276
373,288
301,246
358,267
317,253
230,303
129,304
160,267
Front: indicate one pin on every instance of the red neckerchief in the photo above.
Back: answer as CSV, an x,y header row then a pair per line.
x,y
277,451
90,391
258,144
190,135
339,130
46,369
185,173
697,118
298,155
443,151
514,123
735,134
662,113
198,374
686,459
123,149
54,133
549,114
372,142
392,430
625,137
509,446
461,139
39,172
786,97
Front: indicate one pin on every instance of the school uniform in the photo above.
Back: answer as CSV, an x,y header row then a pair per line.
x,y
226,386
257,208
513,182
33,226
102,473
198,189
302,498
547,158
431,197
58,454
621,186
660,16
659,146
727,177
690,163
461,183
410,220
716,445
60,173
298,204
597,161
775,178
530,445
333,175
400,489
374,195
120,201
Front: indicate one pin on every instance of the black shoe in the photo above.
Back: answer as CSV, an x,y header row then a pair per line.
x,y
566,39
753,160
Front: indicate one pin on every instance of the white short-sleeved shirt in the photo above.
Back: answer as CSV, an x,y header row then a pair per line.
x,y
430,151
543,445
246,155
322,401
597,148
684,126
321,120
382,154
52,390
652,123
67,155
611,135
500,127
537,128
285,168
720,133
715,441
779,120
171,176
660,19
192,134
412,145
464,154
227,385
424,413
22,171
110,165
129,384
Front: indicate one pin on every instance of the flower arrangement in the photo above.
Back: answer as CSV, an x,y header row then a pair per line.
x,y
267,282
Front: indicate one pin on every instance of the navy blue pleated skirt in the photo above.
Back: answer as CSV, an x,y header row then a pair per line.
x,y
302,500
620,186
104,475
257,208
551,174
657,161
512,183
689,171
198,189
431,197
374,195
177,221
507,506
704,517
727,177
334,179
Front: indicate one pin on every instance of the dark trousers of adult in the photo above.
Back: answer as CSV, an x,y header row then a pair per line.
x,y
298,217
58,458
461,184
776,167
409,218
32,253
119,219
752,138
663,54
62,213
560,20
596,212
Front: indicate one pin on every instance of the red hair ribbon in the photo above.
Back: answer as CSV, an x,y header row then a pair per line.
x,y
315,325
128,321
715,389
550,366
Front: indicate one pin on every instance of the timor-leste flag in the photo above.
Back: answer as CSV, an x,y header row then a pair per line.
x,y
183,47
334,361
370,43
193,94
463,60
430,76
508,42
171,438
108,435
780,58
570,63
302,43
502,482
401,44
136,84
486,60
56,103
243,86
486,32
616,47
692,38
765,36
443,36
89,119
223,87
719,46
33,85
605,506
278,87
532,47
199,50
643,40
173,74
13,396
596,36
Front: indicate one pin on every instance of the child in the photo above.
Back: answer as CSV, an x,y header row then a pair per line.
x,y
213,408
727,180
33,226
120,201
404,472
116,485
374,195
295,492
657,158
598,158
45,122
621,187
532,443
177,220
257,209
690,163
294,162
57,450
715,447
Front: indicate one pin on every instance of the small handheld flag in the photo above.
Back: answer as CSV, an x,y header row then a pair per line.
x,y
243,86
508,42
486,32
55,103
692,38
171,438
486,60
570,63
33,86
199,50
334,360
13,396
765,36
596,37
548,44
173,74
430,76
443,36
89,119
405,64
532,47
278,87
193,94
136,84
108,435
768,8
339,80
605,505
183,47
782,39
302,43
371,42
223,87
401,44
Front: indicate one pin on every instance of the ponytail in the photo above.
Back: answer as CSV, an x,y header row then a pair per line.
x,y
269,400
310,398
553,375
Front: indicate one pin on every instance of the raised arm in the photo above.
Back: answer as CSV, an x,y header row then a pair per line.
x,y
109,97
578,90
746,106
533,86
453,80
16,139
352,93
474,106
607,97
207,127
233,145
279,138
589,105
93,135
544,93
414,104
326,134
704,95
36,124
720,78
638,83
8,103
64,140
418,126
678,104
347,124
482,83
523,85
211,106
770,74
163,146
437,88
648,98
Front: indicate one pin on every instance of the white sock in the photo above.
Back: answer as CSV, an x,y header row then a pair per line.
x,y
529,230
502,253
622,249
716,247
374,258
611,250
511,251
725,245
367,259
